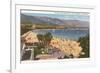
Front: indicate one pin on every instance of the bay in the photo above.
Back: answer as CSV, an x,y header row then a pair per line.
x,y
71,34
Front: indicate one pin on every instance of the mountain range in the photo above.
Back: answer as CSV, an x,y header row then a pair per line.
x,y
26,19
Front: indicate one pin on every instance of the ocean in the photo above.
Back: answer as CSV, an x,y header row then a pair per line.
x,y
71,34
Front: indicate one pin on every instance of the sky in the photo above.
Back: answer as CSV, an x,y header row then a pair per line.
x,y
61,15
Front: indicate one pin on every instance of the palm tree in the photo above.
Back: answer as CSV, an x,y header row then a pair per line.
x,y
40,37
48,37
44,41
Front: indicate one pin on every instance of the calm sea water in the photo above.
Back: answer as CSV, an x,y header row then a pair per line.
x,y
64,33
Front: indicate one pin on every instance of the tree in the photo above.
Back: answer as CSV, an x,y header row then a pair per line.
x,y
40,37
48,36
84,43
44,41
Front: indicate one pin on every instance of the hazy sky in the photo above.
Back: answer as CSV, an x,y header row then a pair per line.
x,y
60,15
